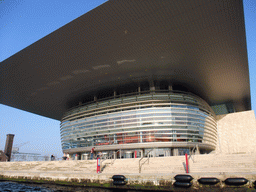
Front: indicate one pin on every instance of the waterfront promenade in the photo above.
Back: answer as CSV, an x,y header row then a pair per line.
x,y
153,170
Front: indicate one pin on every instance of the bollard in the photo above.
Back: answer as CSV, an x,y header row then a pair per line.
x,y
98,165
186,156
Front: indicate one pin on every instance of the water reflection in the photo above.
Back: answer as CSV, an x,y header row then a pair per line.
x,y
21,187
17,187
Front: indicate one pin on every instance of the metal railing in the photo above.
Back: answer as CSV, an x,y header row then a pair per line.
x,y
170,93
140,164
109,156
195,148
112,157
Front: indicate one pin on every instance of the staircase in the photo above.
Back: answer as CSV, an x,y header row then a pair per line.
x,y
46,166
155,165
176,164
224,163
209,163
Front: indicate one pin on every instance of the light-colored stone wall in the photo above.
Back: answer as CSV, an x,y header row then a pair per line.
x,y
236,132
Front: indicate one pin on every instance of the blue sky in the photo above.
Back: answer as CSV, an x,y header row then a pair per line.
x,y
22,22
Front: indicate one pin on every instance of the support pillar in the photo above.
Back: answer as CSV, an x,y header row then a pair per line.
x,y
175,152
139,90
152,86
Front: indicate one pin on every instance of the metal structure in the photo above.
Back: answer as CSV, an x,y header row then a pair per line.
x,y
28,157
16,148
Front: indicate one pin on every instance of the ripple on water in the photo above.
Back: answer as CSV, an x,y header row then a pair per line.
x,y
17,187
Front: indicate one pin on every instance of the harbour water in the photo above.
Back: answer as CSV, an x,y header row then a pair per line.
x,y
21,187
17,187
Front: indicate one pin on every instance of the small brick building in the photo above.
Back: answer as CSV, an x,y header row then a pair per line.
x,y
3,157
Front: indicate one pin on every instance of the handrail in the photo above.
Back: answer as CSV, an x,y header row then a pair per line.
x,y
103,159
140,165
109,156
112,157
193,152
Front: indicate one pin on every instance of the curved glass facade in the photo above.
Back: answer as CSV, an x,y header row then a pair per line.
x,y
174,118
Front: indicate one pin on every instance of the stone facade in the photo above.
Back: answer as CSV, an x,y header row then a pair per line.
x,y
236,133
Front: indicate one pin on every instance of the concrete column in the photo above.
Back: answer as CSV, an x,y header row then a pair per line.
x,y
84,156
114,94
175,152
95,98
152,86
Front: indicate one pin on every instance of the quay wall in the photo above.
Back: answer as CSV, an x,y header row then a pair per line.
x,y
155,172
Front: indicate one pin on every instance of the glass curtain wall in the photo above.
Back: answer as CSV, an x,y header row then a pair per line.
x,y
140,118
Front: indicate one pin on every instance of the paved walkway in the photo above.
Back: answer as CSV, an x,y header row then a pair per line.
x,y
220,166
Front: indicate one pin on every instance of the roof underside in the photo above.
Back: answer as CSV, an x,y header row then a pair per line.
x,y
199,43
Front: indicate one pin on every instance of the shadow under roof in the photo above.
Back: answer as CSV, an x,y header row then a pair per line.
x,y
199,43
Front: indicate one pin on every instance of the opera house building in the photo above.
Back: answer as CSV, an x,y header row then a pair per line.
x,y
132,77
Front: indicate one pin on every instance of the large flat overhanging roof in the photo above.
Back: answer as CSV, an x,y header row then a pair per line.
x,y
199,43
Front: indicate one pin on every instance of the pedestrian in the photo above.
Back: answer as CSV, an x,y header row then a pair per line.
x,y
92,152
64,157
